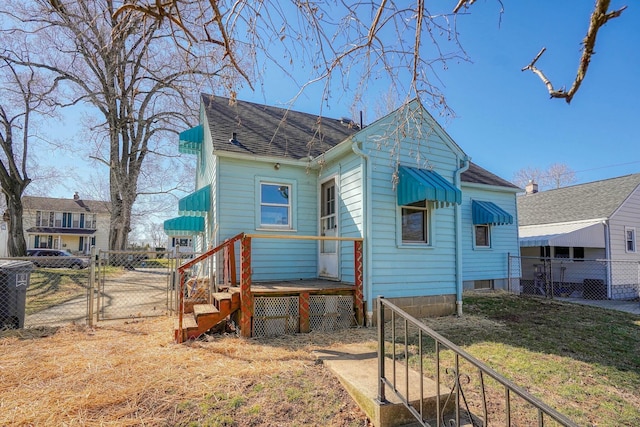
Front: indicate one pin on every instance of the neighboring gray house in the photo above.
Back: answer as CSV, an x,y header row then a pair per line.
x,y
594,221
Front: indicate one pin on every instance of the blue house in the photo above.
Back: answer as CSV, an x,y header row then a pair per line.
x,y
426,221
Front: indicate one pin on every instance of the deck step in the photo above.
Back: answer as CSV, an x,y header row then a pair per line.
x,y
226,301
188,322
221,295
204,310
206,316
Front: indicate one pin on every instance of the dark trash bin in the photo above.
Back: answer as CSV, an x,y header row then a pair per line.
x,y
14,281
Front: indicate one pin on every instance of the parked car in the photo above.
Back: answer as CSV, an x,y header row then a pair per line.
x,y
56,258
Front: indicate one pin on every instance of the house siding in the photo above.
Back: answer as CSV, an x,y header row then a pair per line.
x,y
404,271
624,268
206,174
272,259
488,263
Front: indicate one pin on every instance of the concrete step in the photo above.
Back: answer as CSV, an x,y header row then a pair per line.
x,y
356,366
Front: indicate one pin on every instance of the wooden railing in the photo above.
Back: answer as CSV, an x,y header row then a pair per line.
x,y
246,300
245,274
228,245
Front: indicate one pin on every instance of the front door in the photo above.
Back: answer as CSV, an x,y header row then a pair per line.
x,y
328,258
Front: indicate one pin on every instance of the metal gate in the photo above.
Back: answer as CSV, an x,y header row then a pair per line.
x,y
134,284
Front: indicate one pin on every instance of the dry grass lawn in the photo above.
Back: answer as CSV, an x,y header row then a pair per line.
x,y
131,373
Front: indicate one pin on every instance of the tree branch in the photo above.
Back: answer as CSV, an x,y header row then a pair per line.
x,y
599,17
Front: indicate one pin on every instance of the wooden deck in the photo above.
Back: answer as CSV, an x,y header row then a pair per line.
x,y
296,287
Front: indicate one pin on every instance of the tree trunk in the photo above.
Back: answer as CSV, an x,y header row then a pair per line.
x,y
16,244
120,224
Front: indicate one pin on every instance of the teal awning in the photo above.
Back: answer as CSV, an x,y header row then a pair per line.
x,y
184,226
196,204
415,185
489,213
191,140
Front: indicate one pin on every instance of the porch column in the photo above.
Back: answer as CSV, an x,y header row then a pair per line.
x,y
246,299
305,326
359,297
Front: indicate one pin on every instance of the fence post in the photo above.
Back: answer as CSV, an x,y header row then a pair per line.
x,y
92,284
509,272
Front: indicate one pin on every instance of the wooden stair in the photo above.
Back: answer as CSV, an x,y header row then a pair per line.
x,y
206,316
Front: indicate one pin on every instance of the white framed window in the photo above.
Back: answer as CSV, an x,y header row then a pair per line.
x,y
57,219
44,219
90,221
43,241
76,220
275,205
482,235
415,223
630,239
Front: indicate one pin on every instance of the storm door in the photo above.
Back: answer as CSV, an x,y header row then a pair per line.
x,y
328,256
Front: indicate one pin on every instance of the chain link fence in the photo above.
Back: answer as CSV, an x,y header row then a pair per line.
x,y
595,279
54,288
133,284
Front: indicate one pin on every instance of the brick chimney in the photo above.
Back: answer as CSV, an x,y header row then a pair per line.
x,y
531,187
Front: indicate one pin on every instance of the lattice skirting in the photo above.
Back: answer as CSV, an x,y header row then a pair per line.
x,y
331,312
274,316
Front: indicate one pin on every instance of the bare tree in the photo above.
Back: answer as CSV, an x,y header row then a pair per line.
x,y
24,94
404,45
559,175
155,231
128,69
555,176
396,41
525,175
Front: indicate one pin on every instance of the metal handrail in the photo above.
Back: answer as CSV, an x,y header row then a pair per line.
x,y
543,409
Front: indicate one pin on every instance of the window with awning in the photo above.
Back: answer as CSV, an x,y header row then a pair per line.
x,y
415,185
184,226
488,213
196,203
191,140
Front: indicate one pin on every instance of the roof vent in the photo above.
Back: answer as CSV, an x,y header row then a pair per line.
x,y
234,139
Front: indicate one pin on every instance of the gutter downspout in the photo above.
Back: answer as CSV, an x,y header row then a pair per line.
x,y
458,218
607,254
366,234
